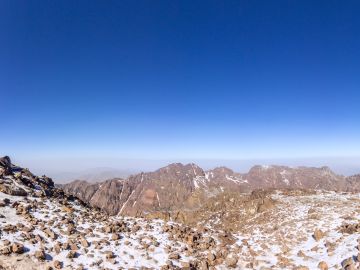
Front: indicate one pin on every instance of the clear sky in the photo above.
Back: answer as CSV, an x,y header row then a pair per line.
x,y
179,79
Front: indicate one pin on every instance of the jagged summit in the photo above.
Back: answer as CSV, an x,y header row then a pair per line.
x,y
180,168
5,165
179,186
222,169
21,182
5,161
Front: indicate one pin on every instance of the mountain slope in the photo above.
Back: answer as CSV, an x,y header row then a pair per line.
x,y
173,187
183,187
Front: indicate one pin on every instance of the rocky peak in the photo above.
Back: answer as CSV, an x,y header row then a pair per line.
x,y
222,171
326,170
21,182
5,161
190,169
5,165
266,168
81,189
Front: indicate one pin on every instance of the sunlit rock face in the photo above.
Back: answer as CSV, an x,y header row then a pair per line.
x,y
178,186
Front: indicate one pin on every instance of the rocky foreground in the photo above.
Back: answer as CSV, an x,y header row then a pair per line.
x,y
43,228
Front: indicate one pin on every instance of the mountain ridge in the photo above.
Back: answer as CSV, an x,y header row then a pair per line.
x,y
180,186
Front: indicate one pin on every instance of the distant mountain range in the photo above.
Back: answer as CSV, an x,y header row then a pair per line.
x,y
91,175
187,187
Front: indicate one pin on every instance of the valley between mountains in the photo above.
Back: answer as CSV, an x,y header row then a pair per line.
x,y
182,217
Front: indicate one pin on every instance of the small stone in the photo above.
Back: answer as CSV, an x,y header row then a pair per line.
x,y
318,234
5,251
115,236
17,248
40,255
109,255
231,261
57,248
348,264
174,256
301,268
71,254
323,265
57,264
203,265
84,243
185,264
211,257
73,247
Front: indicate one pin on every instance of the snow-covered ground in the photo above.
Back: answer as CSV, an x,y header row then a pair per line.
x,y
281,238
129,249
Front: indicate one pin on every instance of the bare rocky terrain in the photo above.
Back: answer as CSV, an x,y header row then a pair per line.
x,y
181,217
187,187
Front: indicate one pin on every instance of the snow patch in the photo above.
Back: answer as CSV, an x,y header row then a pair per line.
x,y
122,208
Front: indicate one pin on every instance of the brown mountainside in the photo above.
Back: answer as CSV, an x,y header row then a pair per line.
x,y
188,187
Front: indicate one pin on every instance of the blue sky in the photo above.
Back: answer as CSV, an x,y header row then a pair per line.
x,y
179,79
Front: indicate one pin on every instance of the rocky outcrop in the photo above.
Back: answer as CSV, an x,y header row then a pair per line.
x,y
21,182
17,181
266,177
5,165
231,208
352,183
81,189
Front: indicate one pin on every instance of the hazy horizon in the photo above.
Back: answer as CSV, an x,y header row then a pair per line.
x,y
66,169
